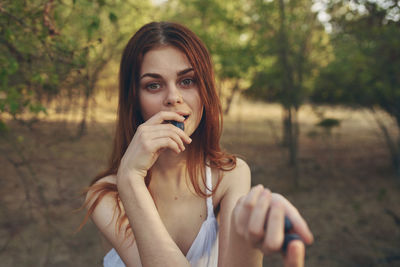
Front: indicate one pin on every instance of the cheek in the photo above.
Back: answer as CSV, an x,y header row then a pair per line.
x,y
149,106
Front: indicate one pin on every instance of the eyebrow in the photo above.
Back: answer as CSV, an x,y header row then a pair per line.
x,y
156,75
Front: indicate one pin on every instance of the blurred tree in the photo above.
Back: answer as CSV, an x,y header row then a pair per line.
x,y
58,48
34,56
224,27
106,24
366,68
271,48
290,43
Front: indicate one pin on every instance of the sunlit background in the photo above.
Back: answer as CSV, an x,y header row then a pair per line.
x,y
311,97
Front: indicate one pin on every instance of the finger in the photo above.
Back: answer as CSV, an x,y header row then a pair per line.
x,y
257,217
287,239
299,224
275,228
252,196
170,127
158,130
181,133
165,142
295,254
168,132
162,116
247,204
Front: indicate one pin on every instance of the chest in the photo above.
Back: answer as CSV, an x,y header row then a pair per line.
x,y
183,219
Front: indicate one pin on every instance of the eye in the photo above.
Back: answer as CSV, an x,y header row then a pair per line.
x,y
187,82
153,86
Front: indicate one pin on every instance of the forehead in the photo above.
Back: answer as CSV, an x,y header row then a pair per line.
x,y
164,59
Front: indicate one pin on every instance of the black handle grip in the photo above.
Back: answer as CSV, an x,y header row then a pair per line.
x,y
288,225
178,124
288,238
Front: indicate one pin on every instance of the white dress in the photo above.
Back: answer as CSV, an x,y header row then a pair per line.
x,y
204,249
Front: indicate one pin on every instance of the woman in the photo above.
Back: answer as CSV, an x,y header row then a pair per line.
x,y
171,196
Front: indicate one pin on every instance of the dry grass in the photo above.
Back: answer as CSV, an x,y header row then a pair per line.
x,y
347,191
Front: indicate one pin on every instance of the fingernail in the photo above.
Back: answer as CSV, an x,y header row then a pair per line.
x,y
265,193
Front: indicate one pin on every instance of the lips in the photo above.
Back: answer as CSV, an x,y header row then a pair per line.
x,y
184,114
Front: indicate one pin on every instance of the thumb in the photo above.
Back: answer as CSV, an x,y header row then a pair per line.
x,y
295,254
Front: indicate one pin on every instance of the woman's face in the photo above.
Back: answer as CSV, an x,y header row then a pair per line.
x,y
168,83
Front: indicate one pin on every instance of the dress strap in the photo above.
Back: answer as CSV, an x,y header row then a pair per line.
x,y
210,207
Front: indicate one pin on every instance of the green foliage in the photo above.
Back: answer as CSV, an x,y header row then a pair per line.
x,y
3,127
52,48
224,27
288,44
366,67
34,56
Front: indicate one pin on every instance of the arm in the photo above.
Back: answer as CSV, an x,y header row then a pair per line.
x,y
252,223
106,221
151,244
233,250
155,245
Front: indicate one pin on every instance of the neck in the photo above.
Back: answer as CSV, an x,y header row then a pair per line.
x,y
170,168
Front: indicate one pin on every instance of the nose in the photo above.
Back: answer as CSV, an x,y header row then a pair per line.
x,y
173,96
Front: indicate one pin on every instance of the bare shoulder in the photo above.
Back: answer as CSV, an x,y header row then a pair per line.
x,y
112,179
95,189
240,169
237,179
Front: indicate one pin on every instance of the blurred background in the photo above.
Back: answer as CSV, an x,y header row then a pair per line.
x,y
311,97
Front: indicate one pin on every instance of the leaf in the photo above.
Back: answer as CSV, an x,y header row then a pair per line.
x,y
14,107
3,127
12,66
95,23
113,18
37,108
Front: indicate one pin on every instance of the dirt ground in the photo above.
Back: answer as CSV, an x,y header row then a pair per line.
x,y
347,190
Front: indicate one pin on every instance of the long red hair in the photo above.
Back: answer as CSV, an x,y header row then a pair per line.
x,y
205,147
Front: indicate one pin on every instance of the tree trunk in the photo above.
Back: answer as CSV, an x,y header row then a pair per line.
x,y
397,159
289,101
392,145
90,84
292,135
85,107
397,151
230,98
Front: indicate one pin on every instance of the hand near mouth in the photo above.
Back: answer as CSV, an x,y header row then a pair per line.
x,y
150,139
